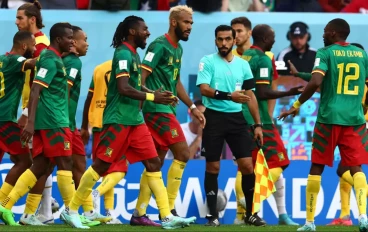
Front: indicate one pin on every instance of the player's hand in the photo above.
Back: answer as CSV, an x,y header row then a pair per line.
x,y
199,115
200,131
293,70
27,132
258,134
293,111
176,101
239,96
296,90
165,97
22,121
85,136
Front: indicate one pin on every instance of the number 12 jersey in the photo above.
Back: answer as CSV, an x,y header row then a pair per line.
x,y
345,71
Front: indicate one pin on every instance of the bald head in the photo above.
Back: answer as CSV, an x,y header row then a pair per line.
x,y
263,36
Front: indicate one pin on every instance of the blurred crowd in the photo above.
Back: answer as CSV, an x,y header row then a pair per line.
x,y
205,6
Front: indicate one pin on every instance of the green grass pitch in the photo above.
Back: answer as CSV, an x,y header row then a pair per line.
x,y
123,228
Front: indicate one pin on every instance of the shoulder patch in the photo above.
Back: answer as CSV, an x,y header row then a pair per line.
x,y
123,64
21,59
317,61
149,56
263,72
73,72
42,72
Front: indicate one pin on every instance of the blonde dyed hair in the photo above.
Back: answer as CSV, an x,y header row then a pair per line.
x,y
176,10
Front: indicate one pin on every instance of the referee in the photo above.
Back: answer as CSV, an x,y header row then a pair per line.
x,y
225,82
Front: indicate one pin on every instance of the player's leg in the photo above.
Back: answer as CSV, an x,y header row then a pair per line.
x,y
108,151
171,138
24,183
240,199
45,212
166,132
142,148
325,139
20,156
111,178
277,160
346,184
352,146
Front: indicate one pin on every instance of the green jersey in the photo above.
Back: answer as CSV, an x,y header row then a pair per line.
x,y
11,85
261,66
121,109
52,109
73,66
163,61
345,71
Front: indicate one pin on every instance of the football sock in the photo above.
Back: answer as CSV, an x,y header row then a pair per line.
x,y
66,185
279,195
24,184
345,190
312,190
174,180
109,182
239,195
211,189
360,187
5,190
156,184
248,182
32,203
144,195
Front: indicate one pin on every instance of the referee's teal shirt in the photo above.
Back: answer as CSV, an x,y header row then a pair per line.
x,y
225,76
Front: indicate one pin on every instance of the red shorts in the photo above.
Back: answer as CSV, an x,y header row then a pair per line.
x,y
133,142
10,139
165,129
351,141
77,143
273,148
120,166
52,142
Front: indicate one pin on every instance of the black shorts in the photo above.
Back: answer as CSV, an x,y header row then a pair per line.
x,y
229,127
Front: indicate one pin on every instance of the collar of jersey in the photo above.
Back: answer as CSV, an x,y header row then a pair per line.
x,y
130,47
54,50
170,41
342,43
256,47
38,34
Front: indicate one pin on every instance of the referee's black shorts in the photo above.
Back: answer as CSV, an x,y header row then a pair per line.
x,y
229,127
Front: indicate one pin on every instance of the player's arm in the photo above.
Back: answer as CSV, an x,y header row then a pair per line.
x,y
263,77
123,68
152,58
204,77
319,70
249,88
42,80
87,104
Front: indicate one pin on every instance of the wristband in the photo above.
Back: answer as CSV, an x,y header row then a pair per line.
x,y
192,107
150,97
220,95
297,104
25,112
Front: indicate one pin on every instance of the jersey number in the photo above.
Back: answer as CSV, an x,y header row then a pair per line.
x,y
355,76
175,74
2,85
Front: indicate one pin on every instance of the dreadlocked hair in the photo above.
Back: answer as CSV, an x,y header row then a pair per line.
x,y
122,31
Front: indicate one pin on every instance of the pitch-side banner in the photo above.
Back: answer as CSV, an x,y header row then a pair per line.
x,y
191,199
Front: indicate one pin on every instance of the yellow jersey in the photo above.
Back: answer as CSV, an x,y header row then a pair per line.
x,y
100,79
42,42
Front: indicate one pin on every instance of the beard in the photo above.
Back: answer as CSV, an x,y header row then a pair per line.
x,y
28,54
224,53
140,42
180,34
